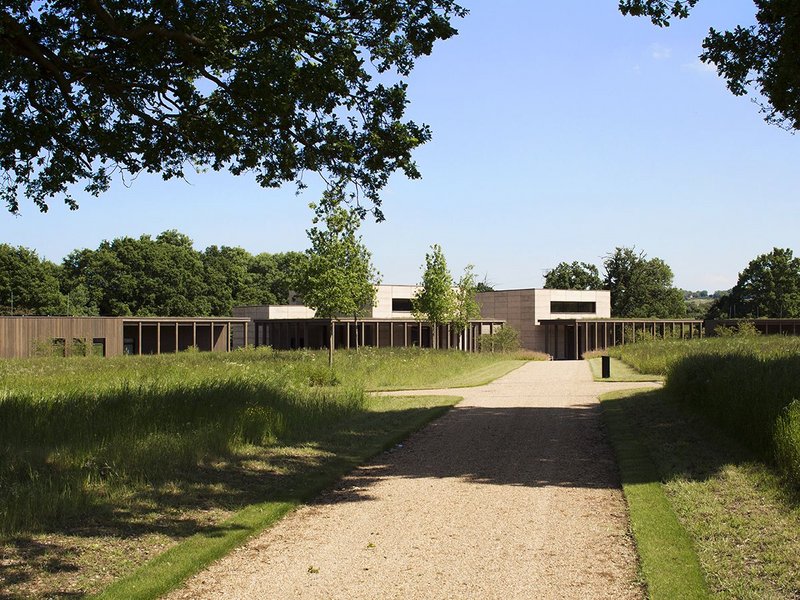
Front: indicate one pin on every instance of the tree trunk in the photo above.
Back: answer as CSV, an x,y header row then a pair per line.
x,y
331,341
355,321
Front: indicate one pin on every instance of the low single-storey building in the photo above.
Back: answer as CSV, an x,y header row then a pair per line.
x,y
567,323
388,324
561,323
23,336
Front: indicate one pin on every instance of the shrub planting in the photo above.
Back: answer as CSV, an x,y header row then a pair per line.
x,y
505,339
747,384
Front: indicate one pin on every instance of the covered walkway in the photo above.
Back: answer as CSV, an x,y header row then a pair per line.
x,y
159,335
289,334
570,338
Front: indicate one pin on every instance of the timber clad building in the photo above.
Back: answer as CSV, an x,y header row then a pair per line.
x,y
113,336
561,323
567,323
388,324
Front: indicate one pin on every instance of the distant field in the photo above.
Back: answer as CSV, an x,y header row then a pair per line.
x,y
105,463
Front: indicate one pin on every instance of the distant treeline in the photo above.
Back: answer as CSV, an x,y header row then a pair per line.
x,y
143,276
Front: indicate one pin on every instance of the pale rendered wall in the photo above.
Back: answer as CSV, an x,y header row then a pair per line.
x,y
523,309
601,298
383,297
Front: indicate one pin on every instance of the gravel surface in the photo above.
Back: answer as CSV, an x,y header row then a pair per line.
x,y
512,494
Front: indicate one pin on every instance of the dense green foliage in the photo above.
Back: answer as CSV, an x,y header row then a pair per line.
x,y
338,278
80,431
505,339
28,285
641,287
143,276
768,287
760,59
465,307
435,301
748,384
573,276
277,88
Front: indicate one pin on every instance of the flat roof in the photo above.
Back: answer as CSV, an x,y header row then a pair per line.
x,y
618,320
364,320
185,319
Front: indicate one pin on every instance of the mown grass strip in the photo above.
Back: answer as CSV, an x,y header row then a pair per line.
x,y
168,570
359,439
620,372
669,564
474,378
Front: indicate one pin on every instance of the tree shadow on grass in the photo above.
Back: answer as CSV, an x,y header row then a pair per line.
x,y
522,446
191,501
685,445
516,446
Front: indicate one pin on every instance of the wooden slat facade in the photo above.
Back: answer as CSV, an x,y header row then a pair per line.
x,y
23,336
112,336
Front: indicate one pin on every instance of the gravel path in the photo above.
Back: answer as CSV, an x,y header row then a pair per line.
x,y
512,494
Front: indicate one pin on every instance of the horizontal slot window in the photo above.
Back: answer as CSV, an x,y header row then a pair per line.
x,y
573,307
401,304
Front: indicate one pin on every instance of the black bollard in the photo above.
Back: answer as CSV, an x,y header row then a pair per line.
x,y
606,366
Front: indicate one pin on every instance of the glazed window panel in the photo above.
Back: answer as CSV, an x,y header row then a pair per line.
x,y
573,307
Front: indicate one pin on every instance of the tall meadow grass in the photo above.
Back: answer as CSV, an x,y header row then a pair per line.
x,y
74,431
77,432
747,384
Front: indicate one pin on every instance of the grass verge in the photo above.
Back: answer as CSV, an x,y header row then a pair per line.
x,y
479,376
747,385
668,563
741,517
385,423
620,372
107,463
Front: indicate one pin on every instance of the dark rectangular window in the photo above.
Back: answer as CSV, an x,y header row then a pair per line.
x,y
401,304
99,347
573,307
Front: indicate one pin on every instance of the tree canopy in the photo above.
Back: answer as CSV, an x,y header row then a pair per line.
x,y
144,276
768,287
761,59
338,278
641,287
28,285
573,276
465,306
91,89
436,300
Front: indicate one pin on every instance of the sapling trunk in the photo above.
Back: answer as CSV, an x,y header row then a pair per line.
x,y
331,341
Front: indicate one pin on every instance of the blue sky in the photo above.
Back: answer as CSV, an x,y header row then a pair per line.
x,y
560,131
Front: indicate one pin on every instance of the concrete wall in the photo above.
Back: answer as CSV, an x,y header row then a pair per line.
x,y
383,297
524,309
601,298
516,307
